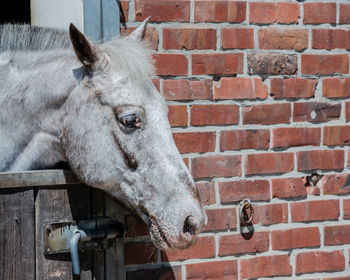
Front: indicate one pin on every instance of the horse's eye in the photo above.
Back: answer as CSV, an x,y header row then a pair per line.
x,y
131,121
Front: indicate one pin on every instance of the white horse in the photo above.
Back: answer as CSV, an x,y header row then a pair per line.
x,y
95,107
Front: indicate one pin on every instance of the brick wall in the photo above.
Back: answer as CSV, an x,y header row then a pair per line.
x,y
258,101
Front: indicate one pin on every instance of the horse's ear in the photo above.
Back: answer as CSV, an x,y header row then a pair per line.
x,y
87,52
139,32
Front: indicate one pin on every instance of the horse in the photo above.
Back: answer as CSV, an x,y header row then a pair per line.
x,y
64,98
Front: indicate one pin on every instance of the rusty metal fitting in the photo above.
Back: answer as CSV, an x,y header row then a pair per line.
x,y
243,215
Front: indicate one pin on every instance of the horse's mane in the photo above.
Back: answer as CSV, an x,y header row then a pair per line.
x,y
15,37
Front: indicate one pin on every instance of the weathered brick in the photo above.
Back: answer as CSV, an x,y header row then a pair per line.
x,y
269,163
320,160
203,248
320,210
237,38
195,142
272,63
177,115
216,166
219,11
162,10
146,253
266,266
330,39
337,235
266,113
135,226
316,111
156,83
189,38
283,39
344,13
206,192
346,208
221,219
347,111
160,273
269,12
288,188
336,87
239,88
151,36
295,238
244,139
234,191
293,88
296,136
270,214
235,244
214,114
183,89
336,184
336,135
324,64
226,270
170,64
319,261
316,13
217,63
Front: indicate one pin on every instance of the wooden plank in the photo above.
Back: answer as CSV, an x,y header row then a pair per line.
x,y
37,178
17,232
92,20
59,205
110,19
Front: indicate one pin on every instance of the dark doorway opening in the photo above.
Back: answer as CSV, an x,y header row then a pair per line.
x,y
16,11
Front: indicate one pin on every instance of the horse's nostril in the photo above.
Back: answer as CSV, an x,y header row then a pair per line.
x,y
190,225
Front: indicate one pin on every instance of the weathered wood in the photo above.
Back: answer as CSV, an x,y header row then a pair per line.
x,y
17,233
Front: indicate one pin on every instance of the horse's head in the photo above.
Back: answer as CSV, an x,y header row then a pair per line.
x,y
116,137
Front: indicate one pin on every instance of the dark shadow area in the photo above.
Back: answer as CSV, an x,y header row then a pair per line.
x,y
15,11
161,273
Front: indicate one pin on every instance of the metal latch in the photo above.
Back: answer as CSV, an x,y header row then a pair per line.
x,y
96,233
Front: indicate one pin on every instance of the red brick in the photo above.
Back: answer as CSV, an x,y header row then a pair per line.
x,y
221,219
203,248
235,191
283,39
244,139
170,64
266,266
187,90
239,88
218,270
346,208
337,235
337,278
217,63
156,83
316,112
147,253
296,136
336,87
235,244
295,238
265,13
216,166
288,188
270,214
151,36
214,114
319,210
189,39
219,11
237,38
293,88
177,115
344,13
162,10
269,163
195,142
347,111
330,39
206,192
324,64
336,135
135,226
266,114
319,261
320,160
334,184
124,11
161,273
316,13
